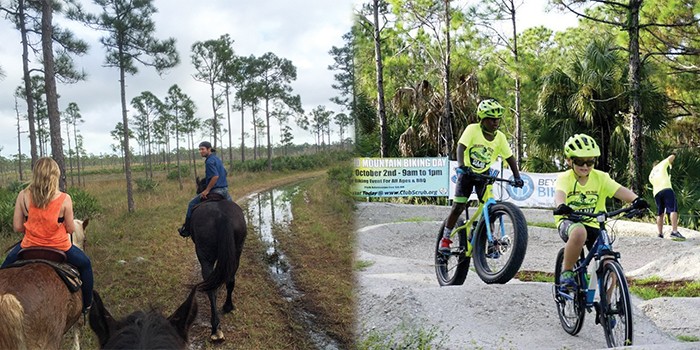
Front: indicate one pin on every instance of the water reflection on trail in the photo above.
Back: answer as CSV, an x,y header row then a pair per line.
x,y
270,212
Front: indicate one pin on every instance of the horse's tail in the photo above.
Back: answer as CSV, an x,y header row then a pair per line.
x,y
11,323
225,256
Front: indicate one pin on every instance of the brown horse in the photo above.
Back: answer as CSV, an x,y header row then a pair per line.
x,y
36,307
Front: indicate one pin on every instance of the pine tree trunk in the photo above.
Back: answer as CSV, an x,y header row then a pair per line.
x,y
635,149
51,94
31,116
445,126
381,111
125,141
518,121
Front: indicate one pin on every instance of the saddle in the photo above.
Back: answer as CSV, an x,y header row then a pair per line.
x,y
211,197
54,258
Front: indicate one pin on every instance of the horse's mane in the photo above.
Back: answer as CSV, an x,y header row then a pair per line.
x,y
145,330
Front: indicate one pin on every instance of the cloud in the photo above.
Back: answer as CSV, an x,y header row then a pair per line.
x,y
302,31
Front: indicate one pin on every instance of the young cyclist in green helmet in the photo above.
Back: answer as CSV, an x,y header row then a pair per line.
x,y
583,188
477,149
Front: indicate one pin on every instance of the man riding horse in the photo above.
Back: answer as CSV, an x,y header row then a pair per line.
x,y
215,179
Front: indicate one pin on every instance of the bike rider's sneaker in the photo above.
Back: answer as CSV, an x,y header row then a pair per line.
x,y
677,235
567,281
445,246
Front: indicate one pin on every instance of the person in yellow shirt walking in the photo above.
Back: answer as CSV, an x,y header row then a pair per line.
x,y
664,196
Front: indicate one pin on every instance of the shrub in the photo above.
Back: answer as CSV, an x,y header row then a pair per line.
x,y
184,173
7,210
146,185
85,205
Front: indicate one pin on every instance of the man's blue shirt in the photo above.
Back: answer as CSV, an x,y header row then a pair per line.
x,y
214,167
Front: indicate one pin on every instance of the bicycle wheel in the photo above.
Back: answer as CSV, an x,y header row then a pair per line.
x,y
497,261
572,311
615,305
452,269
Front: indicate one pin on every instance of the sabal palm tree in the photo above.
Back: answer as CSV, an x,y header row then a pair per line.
x,y
418,110
590,96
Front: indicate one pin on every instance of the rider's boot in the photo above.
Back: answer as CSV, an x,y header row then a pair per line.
x,y
185,229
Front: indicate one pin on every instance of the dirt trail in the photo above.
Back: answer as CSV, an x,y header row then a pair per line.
x,y
399,292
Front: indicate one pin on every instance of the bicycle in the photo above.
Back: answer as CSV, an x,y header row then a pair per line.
x,y
613,311
498,247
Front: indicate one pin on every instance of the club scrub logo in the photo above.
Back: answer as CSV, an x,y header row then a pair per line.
x,y
521,194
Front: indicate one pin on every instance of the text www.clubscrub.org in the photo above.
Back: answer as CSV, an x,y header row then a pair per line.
x,y
397,193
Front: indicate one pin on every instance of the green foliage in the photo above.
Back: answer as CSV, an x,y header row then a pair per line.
x,y
184,172
146,184
85,205
403,337
303,162
16,186
655,287
7,209
361,265
689,338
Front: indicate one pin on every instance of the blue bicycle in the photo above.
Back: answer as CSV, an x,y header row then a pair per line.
x,y
613,310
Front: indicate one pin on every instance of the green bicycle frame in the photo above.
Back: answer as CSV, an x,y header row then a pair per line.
x,y
482,210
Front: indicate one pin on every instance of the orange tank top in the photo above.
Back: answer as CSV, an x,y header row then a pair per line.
x,y
43,229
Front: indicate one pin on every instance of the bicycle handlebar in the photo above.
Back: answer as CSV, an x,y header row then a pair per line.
x,y
489,177
578,216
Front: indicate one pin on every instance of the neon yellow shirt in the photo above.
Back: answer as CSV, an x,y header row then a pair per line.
x,y
589,197
659,177
480,153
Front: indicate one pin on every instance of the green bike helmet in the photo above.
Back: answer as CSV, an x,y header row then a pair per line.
x,y
489,109
581,146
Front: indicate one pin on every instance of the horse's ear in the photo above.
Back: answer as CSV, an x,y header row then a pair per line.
x,y
184,316
85,223
101,321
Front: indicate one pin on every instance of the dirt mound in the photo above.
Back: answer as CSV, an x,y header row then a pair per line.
x,y
398,294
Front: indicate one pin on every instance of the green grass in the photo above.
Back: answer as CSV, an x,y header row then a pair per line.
x,y
655,287
535,276
361,265
688,338
403,337
543,224
417,219
163,278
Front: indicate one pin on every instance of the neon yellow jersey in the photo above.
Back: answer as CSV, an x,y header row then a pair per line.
x,y
481,153
589,197
659,177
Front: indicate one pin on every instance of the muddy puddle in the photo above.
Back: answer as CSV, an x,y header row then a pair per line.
x,y
270,212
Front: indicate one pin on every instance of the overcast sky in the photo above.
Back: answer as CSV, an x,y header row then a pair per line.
x,y
302,31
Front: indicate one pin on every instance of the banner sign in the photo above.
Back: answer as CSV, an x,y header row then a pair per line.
x,y
400,177
538,191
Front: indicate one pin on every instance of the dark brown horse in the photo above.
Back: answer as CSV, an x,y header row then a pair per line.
x,y
218,230
143,330
36,307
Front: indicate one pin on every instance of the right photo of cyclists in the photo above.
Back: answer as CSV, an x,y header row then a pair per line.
x,y
526,174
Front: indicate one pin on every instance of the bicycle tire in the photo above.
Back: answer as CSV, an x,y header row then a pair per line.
x,y
501,261
616,319
451,270
571,313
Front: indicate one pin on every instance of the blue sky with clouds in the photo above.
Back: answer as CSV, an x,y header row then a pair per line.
x,y
302,31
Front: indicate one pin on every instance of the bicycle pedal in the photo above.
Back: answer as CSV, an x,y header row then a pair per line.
x,y
598,313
